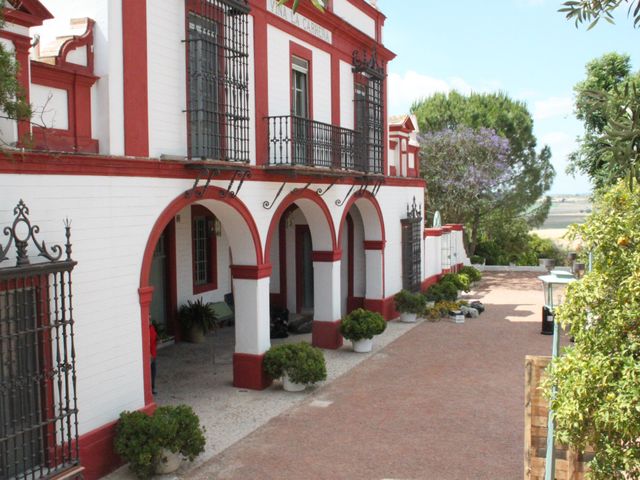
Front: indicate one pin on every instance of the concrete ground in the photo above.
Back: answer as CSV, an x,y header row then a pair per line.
x,y
443,401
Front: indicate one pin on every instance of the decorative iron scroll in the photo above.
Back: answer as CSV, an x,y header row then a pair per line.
x,y
367,64
414,210
18,236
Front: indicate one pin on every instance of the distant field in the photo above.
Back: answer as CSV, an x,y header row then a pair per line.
x,y
565,210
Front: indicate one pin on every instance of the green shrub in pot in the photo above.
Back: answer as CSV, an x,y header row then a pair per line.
x,y
197,318
362,324
141,438
303,363
408,302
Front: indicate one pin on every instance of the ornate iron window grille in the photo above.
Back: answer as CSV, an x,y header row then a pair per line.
x,y
218,75
369,108
412,248
38,402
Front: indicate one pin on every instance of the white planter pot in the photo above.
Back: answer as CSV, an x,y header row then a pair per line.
x,y
290,386
408,317
168,462
362,346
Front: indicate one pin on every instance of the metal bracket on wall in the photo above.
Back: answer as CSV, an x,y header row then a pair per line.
x,y
339,202
268,205
210,173
363,187
321,193
376,187
303,188
240,176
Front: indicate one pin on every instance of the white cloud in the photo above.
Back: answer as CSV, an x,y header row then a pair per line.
x,y
552,107
411,86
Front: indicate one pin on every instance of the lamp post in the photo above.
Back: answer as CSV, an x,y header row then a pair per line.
x,y
554,285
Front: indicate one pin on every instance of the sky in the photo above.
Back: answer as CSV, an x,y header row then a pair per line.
x,y
522,47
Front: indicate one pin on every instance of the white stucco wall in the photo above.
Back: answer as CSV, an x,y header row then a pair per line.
x,y
50,107
347,118
355,16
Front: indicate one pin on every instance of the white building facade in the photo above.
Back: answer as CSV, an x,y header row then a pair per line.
x,y
202,148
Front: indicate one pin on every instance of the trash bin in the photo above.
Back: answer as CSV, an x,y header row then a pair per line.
x,y
547,321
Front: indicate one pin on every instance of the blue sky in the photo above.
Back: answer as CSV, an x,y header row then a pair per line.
x,y
523,47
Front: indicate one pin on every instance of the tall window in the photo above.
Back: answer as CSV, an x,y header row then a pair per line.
x,y
217,44
300,111
204,250
369,113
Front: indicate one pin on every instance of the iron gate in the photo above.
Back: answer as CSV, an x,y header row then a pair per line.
x,y
412,249
38,403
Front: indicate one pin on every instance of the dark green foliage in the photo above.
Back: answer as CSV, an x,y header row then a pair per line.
x,y
319,4
442,291
197,314
302,362
477,259
592,11
361,324
12,99
461,281
408,302
527,174
473,273
140,437
608,102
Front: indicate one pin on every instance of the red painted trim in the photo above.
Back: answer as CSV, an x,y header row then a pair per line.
x,y
248,372
21,44
447,229
458,227
145,294
326,335
136,96
427,282
335,89
433,232
261,84
75,42
212,284
77,84
251,272
44,163
326,257
29,13
374,244
96,449
354,302
291,199
282,254
352,200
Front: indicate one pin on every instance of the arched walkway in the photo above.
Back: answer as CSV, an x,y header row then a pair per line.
x,y
249,276
362,232
322,265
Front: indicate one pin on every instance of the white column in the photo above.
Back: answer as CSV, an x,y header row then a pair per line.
x,y
375,287
326,287
251,301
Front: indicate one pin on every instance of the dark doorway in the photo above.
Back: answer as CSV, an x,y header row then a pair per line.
x,y
162,279
304,269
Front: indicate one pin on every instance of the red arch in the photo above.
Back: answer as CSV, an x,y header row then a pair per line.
x,y
290,200
352,200
146,291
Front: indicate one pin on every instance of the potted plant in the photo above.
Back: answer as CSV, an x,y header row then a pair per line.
x,y
299,365
157,443
196,318
409,305
360,326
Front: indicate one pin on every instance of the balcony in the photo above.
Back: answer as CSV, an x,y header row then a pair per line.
x,y
300,142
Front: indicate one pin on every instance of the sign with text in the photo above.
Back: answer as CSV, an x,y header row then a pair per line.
x,y
299,21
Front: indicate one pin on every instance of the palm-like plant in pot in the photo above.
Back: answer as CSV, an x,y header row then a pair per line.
x,y
360,326
196,318
299,365
410,305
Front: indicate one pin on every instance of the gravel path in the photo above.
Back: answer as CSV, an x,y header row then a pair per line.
x,y
443,402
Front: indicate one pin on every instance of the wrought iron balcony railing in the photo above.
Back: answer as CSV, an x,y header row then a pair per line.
x,y
297,141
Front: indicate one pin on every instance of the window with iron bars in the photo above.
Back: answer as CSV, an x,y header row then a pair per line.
x,y
218,79
369,122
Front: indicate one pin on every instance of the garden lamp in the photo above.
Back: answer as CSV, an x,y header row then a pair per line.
x,y
554,286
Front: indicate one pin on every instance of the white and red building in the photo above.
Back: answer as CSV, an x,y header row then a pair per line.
x,y
202,148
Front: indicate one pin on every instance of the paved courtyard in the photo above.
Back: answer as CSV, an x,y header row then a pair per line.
x,y
442,401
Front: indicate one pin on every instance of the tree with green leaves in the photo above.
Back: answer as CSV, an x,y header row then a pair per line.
x,y
319,4
526,173
12,99
607,102
591,11
597,379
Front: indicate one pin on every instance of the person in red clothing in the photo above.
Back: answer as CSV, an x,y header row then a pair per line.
x,y
153,340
